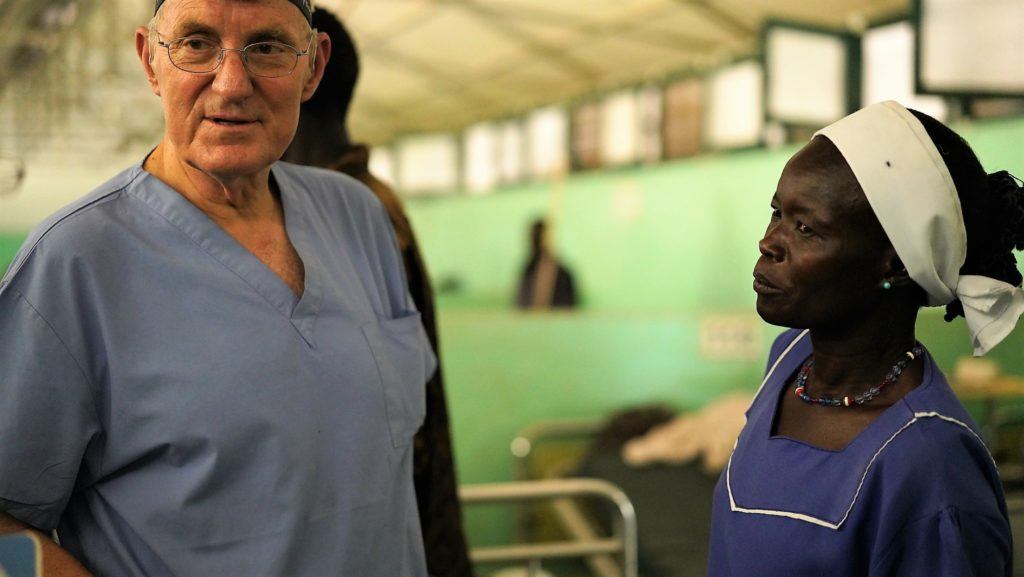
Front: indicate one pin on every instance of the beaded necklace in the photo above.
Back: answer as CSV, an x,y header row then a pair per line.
x,y
847,401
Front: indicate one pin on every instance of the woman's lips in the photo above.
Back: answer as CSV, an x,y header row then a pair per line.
x,y
763,286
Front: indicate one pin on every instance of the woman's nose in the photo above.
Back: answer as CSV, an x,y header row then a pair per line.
x,y
770,246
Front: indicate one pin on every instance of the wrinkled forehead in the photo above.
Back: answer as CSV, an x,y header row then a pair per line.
x,y
273,18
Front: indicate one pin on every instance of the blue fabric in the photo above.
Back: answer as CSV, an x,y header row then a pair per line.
x,y
914,494
172,408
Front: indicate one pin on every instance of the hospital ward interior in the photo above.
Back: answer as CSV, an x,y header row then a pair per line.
x,y
587,182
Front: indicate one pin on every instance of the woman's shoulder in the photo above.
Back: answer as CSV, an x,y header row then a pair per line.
x,y
938,427
937,439
944,462
938,483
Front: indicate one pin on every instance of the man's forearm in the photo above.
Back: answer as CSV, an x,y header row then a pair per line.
x,y
56,561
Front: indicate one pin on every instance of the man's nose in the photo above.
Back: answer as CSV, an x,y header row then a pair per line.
x,y
232,78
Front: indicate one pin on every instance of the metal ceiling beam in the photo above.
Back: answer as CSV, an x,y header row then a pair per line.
x,y
661,39
433,73
719,16
513,22
657,38
550,51
531,14
594,31
376,108
370,42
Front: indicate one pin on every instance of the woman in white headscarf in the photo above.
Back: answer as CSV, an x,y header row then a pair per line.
x,y
857,458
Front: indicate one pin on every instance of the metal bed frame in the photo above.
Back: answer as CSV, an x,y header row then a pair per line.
x,y
584,541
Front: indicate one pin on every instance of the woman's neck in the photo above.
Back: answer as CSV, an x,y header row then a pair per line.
x,y
319,141
848,362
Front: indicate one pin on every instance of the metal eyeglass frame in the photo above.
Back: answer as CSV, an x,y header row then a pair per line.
x,y
310,49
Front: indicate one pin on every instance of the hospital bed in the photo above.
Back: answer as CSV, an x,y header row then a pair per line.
x,y
672,503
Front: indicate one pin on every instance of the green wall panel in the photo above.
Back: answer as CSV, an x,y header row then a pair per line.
x,y
9,244
675,236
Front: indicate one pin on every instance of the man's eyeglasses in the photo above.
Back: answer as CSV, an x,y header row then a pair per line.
x,y
200,55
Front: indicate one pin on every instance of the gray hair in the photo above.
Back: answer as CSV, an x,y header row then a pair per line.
x,y
151,35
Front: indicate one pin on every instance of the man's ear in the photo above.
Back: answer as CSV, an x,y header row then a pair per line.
x,y
319,54
143,49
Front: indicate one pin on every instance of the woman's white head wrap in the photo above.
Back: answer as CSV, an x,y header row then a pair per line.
x,y
912,193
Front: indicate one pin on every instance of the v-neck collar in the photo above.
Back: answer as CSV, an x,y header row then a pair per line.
x,y
208,235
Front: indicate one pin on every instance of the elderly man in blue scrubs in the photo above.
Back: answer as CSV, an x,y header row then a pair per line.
x,y
210,365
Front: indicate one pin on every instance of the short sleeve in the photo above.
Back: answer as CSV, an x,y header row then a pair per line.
x,y
951,543
47,417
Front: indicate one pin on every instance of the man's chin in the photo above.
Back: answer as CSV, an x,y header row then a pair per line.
x,y
226,162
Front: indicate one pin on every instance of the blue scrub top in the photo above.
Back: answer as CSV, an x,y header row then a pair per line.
x,y
171,407
914,494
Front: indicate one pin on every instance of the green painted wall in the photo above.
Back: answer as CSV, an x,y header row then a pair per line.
x,y
9,244
675,236
654,250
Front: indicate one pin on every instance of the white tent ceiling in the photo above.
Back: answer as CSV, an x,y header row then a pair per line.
x,y
430,65
427,65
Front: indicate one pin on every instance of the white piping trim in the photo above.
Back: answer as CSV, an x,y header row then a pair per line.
x,y
798,516
923,415
835,526
778,360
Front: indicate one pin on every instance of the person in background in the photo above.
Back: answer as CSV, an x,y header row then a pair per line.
x,y
857,458
322,139
545,282
211,364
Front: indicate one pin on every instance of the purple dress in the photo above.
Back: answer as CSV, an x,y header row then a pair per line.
x,y
915,493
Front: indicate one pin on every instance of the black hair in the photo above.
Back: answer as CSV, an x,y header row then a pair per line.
x,y
537,229
992,206
342,71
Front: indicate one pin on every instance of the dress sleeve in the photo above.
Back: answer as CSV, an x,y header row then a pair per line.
x,y
951,543
47,416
